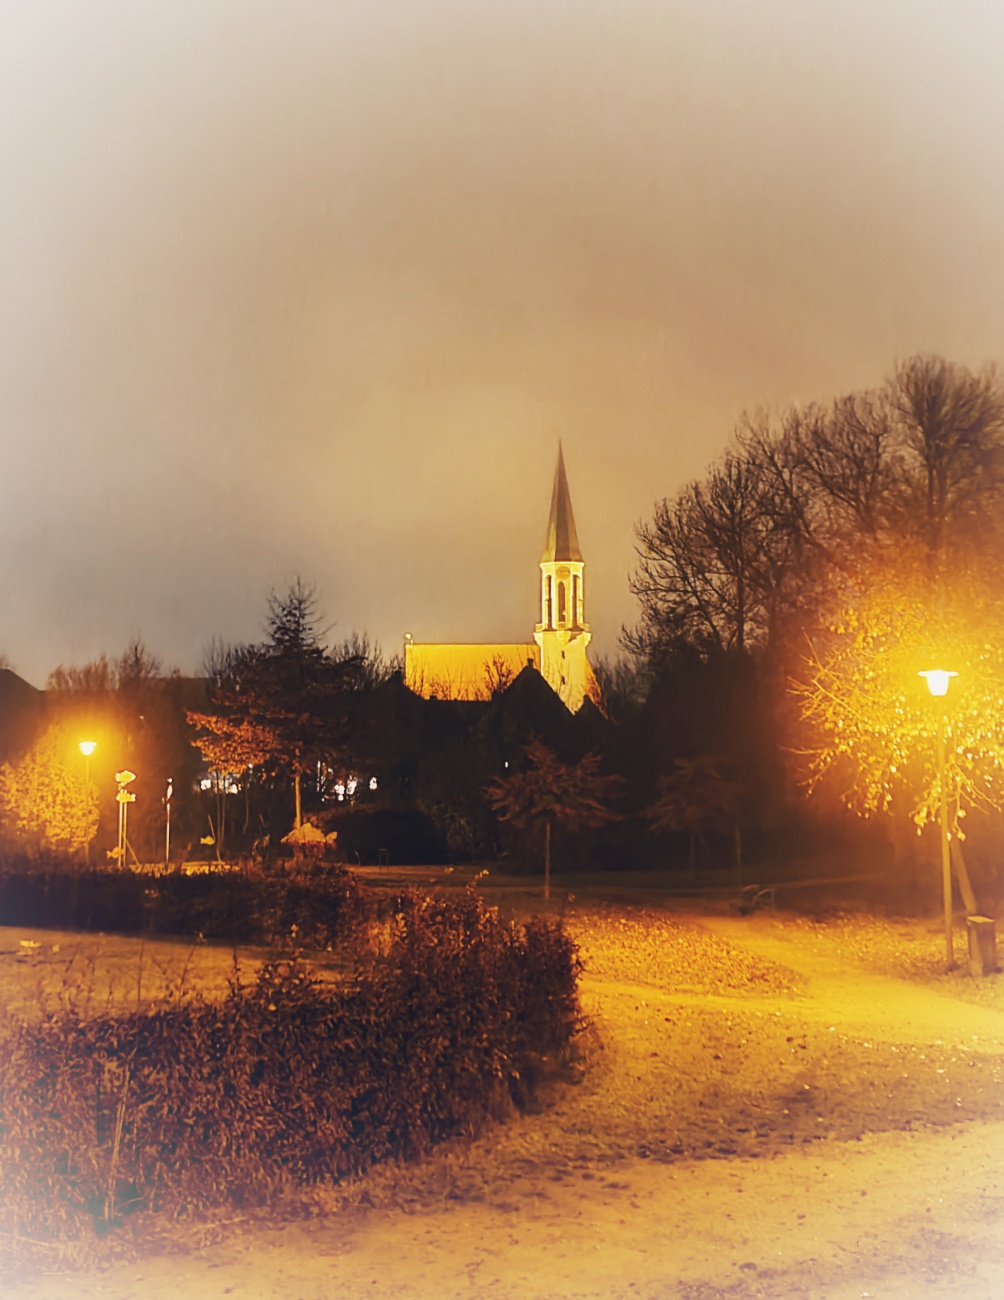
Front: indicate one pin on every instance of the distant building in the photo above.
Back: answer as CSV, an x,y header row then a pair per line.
x,y
558,648
21,714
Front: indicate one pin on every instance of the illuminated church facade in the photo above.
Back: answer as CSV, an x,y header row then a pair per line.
x,y
560,638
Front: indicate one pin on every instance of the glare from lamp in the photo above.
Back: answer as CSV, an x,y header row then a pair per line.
x,y
938,679
87,747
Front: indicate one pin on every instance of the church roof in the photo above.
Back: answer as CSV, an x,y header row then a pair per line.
x,y
464,672
562,542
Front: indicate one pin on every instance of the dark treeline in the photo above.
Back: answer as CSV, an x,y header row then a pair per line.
x,y
787,601
288,733
777,591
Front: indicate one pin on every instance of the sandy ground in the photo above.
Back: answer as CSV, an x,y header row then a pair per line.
x,y
754,1116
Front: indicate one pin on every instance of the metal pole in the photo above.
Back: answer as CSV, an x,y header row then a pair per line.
x,y
87,782
946,861
167,830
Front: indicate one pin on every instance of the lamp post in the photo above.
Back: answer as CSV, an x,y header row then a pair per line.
x,y
937,683
87,748
167,825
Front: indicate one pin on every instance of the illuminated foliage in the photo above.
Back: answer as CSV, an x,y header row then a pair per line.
x,y
871,722
45,797
231,744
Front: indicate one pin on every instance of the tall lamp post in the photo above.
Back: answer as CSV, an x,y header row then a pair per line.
x,y
937,683
87,748
167,825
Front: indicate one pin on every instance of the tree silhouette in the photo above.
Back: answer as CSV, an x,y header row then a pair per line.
x,y
279,704
735,558
694,799
547,791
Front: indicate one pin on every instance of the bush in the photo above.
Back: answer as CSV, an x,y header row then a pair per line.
x,y
248,905
386,835
285,1081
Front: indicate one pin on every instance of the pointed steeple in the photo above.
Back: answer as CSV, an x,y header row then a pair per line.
x,y
562,542
563,633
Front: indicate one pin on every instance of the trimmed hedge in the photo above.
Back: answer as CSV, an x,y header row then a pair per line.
x,y
285,1081
246,905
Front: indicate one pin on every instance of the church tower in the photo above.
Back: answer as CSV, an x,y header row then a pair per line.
x,y
562,632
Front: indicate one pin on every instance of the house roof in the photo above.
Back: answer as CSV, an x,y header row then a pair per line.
x,y
20,713
561,542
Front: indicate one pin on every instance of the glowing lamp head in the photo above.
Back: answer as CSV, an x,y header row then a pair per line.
x,y
87,747
938,679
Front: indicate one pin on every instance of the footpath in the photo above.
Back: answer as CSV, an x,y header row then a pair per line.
x,y
838,989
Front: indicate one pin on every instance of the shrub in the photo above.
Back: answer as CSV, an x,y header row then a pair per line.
x,y
248,905
284,1081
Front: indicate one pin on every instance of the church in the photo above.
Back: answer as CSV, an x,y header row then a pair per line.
x,y
560,638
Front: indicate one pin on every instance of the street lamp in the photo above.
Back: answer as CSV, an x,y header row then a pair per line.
x,y
938,680
87,748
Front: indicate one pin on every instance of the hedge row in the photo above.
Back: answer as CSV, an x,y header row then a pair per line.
x,y
284,1081
248,905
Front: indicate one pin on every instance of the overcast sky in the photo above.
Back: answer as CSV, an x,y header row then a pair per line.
x,y
314,287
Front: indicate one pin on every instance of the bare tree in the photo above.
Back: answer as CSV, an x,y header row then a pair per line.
x,y
498,675
714,562
796,502
951,423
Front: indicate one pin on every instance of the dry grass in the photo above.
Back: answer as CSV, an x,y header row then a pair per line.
x,y
668,1076
45,971
641,945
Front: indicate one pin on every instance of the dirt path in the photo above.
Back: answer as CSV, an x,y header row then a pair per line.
x,y
893,1217
860,1001
832,1134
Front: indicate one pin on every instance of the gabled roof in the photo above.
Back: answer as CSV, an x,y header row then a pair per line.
x,y
529,708
562,542
20,714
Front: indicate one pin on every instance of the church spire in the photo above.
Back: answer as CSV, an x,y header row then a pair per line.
x,y
561,543
562,633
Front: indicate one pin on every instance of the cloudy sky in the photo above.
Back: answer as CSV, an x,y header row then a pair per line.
x,y
315,286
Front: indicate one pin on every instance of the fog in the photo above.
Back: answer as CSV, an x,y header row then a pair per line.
x,y
314,289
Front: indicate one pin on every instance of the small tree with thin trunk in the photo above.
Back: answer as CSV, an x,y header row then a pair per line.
x,y
548,791
695,799
231,745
